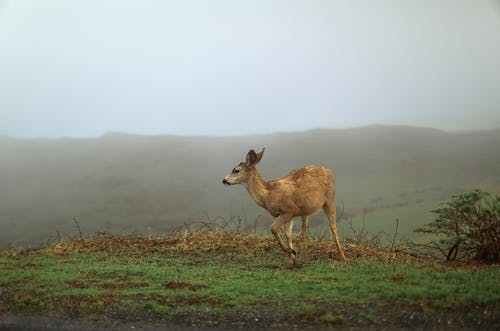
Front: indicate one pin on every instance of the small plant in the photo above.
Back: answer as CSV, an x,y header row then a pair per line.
x,y
330,318
468,227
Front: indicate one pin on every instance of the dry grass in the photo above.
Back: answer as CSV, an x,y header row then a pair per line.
x,y
220,242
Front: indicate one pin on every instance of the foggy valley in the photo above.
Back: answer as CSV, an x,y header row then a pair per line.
x,y
123,184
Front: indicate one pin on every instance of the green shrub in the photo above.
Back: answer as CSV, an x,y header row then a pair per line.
x,y
468,227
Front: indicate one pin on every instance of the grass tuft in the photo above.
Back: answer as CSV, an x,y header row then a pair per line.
x,y
331,318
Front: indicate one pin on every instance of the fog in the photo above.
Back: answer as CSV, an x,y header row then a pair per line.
x,y
212,70
123,184
83,68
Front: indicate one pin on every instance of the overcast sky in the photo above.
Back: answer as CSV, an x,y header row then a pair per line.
x,y
84,67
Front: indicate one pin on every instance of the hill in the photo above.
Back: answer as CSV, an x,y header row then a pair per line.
x,y
123,183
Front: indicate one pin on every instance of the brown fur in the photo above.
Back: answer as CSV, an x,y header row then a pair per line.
x,y
301,193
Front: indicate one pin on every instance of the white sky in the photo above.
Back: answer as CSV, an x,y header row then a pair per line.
x,y
84,67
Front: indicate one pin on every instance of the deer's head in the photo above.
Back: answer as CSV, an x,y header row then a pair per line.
x,y
241,173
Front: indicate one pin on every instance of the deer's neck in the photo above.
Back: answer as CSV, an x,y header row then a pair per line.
x,y
258,188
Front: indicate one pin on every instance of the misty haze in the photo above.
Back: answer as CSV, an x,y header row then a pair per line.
x,y
123,183
119,121
199,70
214,75
236,68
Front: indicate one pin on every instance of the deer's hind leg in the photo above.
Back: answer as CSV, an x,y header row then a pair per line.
x,y
289,233
331,212
303,235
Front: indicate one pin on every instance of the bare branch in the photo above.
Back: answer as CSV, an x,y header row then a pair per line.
x,y
77,225
396,221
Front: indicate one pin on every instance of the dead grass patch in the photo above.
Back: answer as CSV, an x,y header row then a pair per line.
x,y
183,285
225,244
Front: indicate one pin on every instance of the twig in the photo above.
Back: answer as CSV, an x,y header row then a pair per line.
x,y
77,225
341,212
207,225
364,221
395,233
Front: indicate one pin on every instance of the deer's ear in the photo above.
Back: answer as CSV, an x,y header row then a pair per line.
x,y
251,157
259,155
254,158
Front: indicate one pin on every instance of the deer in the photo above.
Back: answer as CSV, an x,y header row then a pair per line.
x,y
299,194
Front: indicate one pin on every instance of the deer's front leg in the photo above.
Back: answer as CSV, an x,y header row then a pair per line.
x,y
281,221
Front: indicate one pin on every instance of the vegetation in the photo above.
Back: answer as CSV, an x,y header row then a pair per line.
x,y
237,279
467,227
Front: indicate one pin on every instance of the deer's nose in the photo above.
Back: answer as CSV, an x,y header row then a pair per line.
x,y
225,182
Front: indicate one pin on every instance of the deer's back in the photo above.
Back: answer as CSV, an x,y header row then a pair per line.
x,y
301,192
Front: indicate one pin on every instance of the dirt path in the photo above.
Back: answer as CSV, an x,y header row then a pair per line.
x,y
14,322
17,322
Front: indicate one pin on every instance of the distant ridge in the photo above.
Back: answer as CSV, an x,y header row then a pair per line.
x,y
368,128
372,128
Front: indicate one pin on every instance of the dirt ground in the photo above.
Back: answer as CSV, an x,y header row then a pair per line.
x,y
386,318
14,322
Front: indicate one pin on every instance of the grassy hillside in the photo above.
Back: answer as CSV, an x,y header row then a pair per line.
x,y
241,280
123,183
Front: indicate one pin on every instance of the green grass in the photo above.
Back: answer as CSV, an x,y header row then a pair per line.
x,y
179,282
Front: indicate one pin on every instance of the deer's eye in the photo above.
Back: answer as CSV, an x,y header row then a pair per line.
x,y
236,171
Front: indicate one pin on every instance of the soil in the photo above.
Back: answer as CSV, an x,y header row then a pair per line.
x,y
331,317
